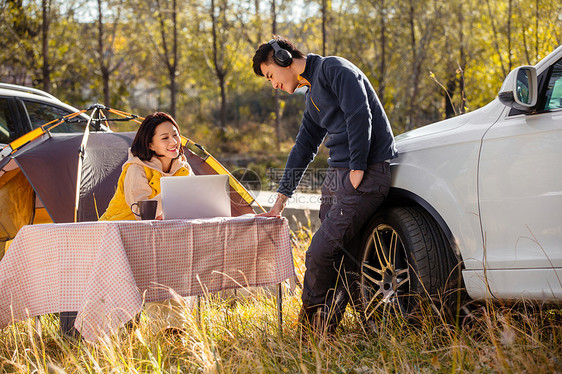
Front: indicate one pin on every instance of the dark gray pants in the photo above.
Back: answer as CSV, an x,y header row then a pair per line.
x,y
334,247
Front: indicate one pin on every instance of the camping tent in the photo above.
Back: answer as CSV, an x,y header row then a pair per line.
x,y
41,177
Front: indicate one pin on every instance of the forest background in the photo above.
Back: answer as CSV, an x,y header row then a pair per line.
x,y
427,59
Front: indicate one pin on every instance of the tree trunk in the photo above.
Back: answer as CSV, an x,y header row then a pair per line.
x,y
382,67
462,58
173,94
173,88
451,84
277,104
103,66
509,12
324,20
219,70
223,100
46,8
171,62
259,24
536,29
524,35
495,33
449,104
410,118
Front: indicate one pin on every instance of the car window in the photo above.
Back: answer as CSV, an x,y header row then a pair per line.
x,y
554,88
8,131
41,113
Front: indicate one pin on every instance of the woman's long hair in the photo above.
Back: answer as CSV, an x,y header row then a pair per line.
x,y
141,144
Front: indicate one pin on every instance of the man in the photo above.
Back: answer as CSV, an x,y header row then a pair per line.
x,y
341,105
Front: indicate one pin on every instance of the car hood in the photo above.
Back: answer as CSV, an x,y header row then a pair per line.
x,y
487,114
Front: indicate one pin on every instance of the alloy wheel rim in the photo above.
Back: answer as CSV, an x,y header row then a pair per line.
x,y
385,277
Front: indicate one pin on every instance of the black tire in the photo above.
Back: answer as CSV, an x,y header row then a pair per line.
x,y
406,260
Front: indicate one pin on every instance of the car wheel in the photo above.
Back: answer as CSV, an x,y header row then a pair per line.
x,y
405,259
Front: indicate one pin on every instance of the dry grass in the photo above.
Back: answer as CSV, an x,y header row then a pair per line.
x,y
244,338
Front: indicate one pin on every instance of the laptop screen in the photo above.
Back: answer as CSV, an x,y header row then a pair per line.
x,y
191,197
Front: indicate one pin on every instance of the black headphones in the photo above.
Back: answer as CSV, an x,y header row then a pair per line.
x,y
281,56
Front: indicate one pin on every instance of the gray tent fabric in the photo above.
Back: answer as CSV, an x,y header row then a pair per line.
x,y
51,168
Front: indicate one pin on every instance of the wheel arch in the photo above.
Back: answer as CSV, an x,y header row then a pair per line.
x,y
401,197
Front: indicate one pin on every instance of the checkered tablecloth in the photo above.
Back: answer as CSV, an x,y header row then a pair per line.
x,y
105,269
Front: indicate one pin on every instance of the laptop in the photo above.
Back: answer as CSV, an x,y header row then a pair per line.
x,y
191,197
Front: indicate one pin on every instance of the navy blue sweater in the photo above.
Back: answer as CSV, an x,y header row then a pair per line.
x,y
342,104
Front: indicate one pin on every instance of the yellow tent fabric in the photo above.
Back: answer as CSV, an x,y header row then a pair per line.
x,y
18,199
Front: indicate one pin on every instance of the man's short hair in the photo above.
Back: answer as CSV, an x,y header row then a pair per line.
x,y
264,53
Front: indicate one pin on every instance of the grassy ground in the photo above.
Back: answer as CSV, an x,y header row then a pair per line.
x,y
244,338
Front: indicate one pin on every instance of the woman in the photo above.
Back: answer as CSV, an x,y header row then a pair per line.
x,y
156,152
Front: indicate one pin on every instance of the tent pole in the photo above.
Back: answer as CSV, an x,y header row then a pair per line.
x,y
81,156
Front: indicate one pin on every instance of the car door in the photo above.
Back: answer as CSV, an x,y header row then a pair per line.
x,y
520,197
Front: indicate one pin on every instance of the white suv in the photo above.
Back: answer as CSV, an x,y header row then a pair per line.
x,y
23,109
476,201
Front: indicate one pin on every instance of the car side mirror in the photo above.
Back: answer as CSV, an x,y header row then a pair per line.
x,y
519,89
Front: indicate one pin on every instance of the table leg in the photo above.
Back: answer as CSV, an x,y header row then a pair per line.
x,y
280,307
38,326
67,324
198,311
